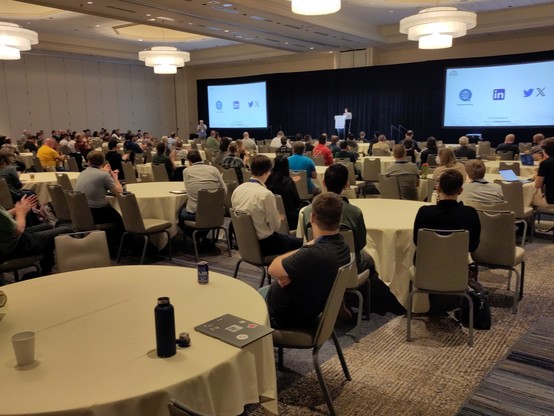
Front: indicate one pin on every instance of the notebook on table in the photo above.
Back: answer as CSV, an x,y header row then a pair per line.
x,y
234,330
510,176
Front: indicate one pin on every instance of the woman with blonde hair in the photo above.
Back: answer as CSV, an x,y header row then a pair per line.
x,y
447,160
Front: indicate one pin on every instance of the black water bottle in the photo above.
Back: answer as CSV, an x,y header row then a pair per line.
x,y
165,328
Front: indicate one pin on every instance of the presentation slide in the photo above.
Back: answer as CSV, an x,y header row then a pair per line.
x,y
500,96
237,106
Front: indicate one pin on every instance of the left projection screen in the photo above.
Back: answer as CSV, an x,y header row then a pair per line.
x,y
237,105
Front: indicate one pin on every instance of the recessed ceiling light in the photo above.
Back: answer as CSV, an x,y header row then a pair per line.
x,y
90,2
227,5
140,40
151,19
148,15
97,25
169,19
311,47
286,43
190,23
226,30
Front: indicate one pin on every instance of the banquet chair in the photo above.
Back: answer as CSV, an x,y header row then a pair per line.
x,y
61,208
407,182
483,148
513,166
17,264
354,184
315,336
147,156
513,193
487,206
84,250
230,175
302,185
129,172
389,187
5,195
447,276
81,216
249,245
342,160
38,165
497,248
64,182
371,169
160,173
355,282
432,161
72,164
246,175
525,146
380,152
136,225
539,211
210,215
319,160
231,186
506,155
177,408
431,185
284,227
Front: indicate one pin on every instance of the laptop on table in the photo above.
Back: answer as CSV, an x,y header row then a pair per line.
x,y
509,176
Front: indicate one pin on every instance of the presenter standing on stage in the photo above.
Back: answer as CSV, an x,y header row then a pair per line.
x,y
347,121
201,130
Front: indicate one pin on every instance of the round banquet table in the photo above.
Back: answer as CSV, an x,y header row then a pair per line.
x,y
95,345
26,159
155,200
39,185
389,225
527,172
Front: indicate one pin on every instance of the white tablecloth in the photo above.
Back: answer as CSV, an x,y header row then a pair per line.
x,y
39,185
26,159
386,161
95,345
389,224
156,201
525,171
144,169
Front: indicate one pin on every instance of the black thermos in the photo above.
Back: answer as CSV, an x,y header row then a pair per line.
x,y
165,328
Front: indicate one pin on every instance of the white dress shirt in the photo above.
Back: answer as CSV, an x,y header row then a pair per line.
x,y
255,199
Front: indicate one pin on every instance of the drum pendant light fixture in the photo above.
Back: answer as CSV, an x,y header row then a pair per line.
x,y
164,59
315,7
13,39
435,27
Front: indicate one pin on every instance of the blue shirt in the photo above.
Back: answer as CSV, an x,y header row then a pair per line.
x,y
300,162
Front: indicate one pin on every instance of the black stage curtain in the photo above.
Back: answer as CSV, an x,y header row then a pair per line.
x,y
410,95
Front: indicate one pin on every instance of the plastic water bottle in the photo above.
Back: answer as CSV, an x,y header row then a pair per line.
x,y
164,315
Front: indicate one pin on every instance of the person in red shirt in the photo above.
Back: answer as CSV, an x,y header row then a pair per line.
x,y
322,150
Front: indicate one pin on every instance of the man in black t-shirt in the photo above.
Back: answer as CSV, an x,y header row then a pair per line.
x,y
545,177
304,277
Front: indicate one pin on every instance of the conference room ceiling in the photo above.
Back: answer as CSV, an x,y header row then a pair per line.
x,y
128,26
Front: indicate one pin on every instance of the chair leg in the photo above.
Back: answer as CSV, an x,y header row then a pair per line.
x,y
144,246
357,329
470,303
280,358
368,300
226,239
263,277
169,244
237,268
194,244
521,280
120,247
524,234
341,356
517,287
322,384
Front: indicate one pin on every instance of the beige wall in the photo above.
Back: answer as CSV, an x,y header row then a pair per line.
x,y
48,92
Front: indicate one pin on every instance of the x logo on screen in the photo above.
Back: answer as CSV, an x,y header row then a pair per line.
x,y
540,92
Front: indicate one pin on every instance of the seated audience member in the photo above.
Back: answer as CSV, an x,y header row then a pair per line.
x,y
276,142
334,145
196,177
308,146
382,146
18,241
242,151
233,161
49,158
352,143
248,143
363,137
509,145
160,158
410,144
464,150
544,181
224,143
449,214
113,157
94,181
280,183
430,149
131,144
321,150
336,181
478,189
407,172
212,142
447,160
537,140
284,149
31,144
9,172
304,277
345,154
300,162
254,198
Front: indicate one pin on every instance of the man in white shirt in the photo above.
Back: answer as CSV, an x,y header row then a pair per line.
x,y
276,142
477,188
201,130
248,143
255,199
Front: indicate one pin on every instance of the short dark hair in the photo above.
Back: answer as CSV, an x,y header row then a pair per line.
x,y
343,145
96,158
298,148
548,146
260,165
232,148
327,211
160,148
112,144
451,181
336,177
475,169
322,139
194,156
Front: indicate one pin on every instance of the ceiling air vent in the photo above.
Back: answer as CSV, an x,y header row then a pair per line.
x,y
119,8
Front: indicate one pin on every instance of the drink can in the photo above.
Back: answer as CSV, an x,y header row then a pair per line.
x,y
203,272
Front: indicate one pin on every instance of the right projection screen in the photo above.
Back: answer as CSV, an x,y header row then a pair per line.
x,y
500,95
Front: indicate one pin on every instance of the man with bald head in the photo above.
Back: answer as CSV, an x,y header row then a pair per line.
x,y
48,155
537,139
508,145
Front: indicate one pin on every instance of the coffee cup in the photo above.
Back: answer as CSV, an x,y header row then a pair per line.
x,y
24,347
